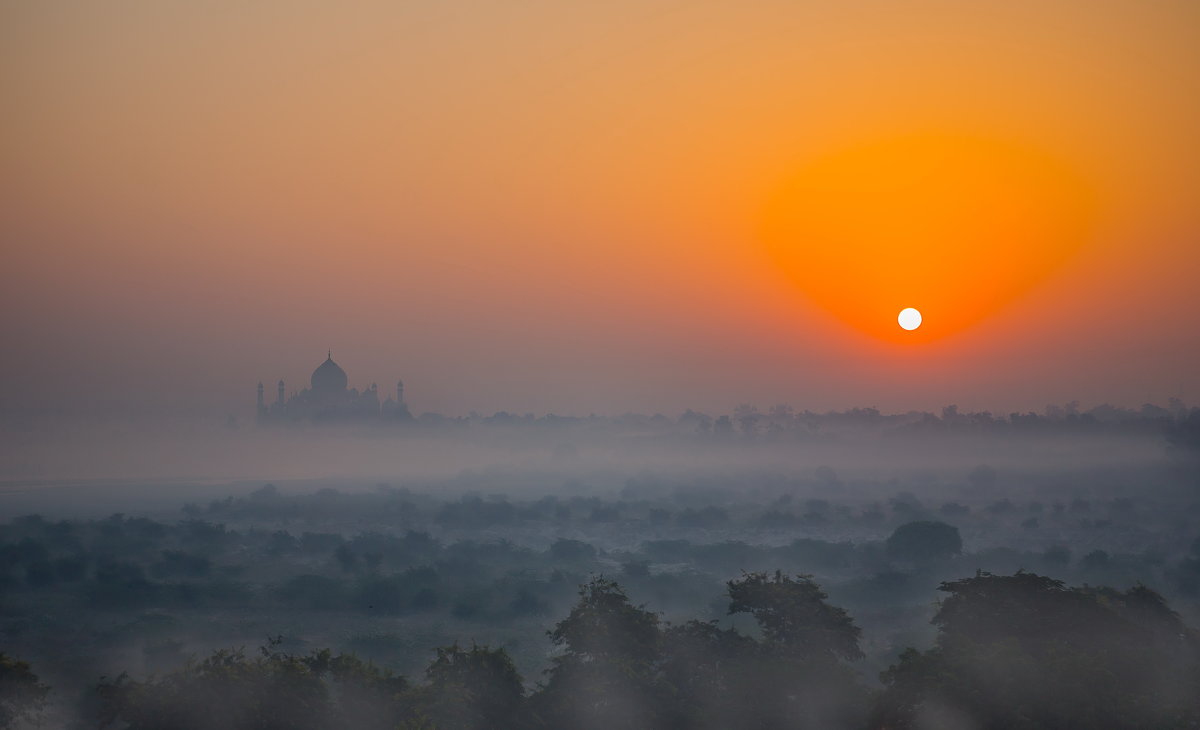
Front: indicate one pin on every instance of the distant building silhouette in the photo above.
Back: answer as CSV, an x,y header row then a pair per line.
x,y
329,399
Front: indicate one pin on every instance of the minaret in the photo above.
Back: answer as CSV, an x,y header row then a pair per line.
x,y
261,405
399,392
279,398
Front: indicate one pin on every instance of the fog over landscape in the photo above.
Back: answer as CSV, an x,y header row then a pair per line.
x,y
645,364
380,541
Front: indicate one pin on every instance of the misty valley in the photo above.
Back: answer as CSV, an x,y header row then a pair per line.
x,y
1047,575
712,365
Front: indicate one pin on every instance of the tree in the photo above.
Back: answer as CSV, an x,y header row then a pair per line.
x,y
794,617
924,541
707,672
22,696
230,691
474,690
572,551
1026,651
796,676
605,627
605,676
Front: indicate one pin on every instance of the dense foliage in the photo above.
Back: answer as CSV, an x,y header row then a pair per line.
x,y
1026,651
21,694
1018,651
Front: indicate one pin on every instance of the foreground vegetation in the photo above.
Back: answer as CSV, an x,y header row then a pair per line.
x,y
1019,651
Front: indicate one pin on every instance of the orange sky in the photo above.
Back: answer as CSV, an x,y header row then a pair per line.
x,y
575,207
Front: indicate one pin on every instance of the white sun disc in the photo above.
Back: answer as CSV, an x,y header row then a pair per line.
x,y
909,318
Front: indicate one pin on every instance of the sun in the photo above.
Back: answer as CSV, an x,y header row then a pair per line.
x,y
909,318
971,222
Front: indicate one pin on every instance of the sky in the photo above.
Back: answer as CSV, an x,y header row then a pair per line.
x,y
599,207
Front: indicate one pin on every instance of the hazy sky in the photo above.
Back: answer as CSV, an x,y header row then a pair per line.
x,y
576,206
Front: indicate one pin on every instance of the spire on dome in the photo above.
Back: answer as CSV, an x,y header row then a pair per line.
x,y
328,377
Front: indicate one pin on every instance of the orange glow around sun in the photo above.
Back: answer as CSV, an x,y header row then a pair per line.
x,y
953,225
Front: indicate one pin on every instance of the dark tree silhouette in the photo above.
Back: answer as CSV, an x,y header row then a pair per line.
x,y
796,676
1025,651
474,689
795,619
605,676
230,691
924,541
708,672
22,696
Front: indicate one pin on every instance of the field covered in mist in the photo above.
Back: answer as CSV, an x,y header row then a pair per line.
x,y
136,576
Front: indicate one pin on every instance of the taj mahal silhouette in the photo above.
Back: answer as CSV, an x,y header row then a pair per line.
x,y
328,398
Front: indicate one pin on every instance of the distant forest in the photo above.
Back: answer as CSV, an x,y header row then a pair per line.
x,y
749,421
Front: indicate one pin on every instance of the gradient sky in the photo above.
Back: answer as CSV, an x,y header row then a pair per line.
x,y
617,206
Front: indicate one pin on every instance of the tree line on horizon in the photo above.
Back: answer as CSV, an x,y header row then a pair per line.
x,y
748,420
